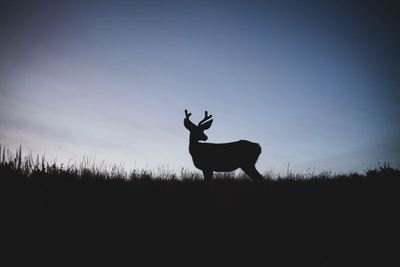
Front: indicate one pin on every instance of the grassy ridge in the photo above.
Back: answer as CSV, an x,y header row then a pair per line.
x,y
77,216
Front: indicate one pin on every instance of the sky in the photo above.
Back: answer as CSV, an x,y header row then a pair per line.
x,y
315,83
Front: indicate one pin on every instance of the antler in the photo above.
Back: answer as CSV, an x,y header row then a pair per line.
x,y
206,117
188,124
187,114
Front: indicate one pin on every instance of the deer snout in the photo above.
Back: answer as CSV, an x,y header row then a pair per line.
x,y
203,137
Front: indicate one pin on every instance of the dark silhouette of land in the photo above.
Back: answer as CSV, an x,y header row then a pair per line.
x,y
69,216
226,157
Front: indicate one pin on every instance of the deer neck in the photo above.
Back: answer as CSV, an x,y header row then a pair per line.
x,y
193,144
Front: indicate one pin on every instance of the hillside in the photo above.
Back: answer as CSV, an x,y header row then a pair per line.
x,y
64,217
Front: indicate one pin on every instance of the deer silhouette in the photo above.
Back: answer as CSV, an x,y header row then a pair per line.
x,y
223,157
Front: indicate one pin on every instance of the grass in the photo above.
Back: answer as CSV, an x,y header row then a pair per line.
x,y
89,213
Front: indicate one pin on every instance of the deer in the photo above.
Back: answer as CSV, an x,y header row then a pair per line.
x,y
221,157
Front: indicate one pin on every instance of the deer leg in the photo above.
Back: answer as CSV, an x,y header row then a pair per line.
x,y
207,175
252,172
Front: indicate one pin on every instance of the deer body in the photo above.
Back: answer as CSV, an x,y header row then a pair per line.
x,y
223,157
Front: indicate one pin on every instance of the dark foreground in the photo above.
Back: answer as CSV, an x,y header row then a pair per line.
x,y
66,220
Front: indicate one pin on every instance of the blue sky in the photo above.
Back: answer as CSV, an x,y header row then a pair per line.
x,y
315,84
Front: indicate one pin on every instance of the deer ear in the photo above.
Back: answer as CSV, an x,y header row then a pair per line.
x,y
206,125
188,124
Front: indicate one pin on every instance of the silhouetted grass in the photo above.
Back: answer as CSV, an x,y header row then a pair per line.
x,y
90,213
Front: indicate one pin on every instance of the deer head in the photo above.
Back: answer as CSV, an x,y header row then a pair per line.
x,y
197,132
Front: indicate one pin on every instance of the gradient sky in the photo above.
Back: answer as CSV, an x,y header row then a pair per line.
x,y
315,83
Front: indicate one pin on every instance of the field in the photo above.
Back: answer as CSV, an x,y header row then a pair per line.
x,y
78,215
